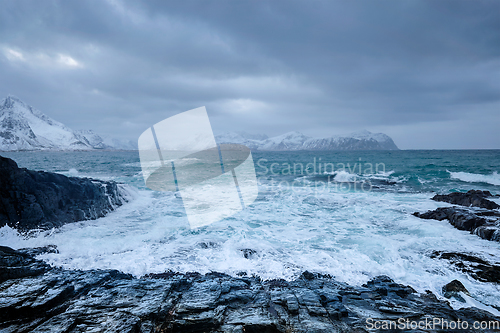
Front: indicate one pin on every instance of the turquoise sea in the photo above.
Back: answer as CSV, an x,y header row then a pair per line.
x,y
347,214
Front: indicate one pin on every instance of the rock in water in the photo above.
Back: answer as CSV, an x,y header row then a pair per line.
x,y
43,200
460,218
453,290
473,198
485,224
480,217
471,264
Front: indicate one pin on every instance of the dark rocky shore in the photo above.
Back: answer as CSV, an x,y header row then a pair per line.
x,y
480,217
43,200
35,297
477,215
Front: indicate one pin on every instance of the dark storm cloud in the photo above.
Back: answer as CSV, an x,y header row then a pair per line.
x,y
425,72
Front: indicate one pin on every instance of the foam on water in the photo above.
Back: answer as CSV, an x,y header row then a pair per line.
x,y
344,176
71,173
352,235
493,179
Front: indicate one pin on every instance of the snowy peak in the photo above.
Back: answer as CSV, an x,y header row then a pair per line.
x,y
363,140
288,141
15,132
105,141
366,135
8,102
92,138
23,127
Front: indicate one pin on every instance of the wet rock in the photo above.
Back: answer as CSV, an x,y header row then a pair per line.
x,y
473,198
57,300
208,245
35,251
485,224
44,200
308,275
461,219
453,290
248,253
471,264
16,264
384,285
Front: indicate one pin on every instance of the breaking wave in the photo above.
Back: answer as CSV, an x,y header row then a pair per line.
x,y
493,179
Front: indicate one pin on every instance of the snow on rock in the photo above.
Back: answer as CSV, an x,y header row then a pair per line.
x,y
363,140
23,127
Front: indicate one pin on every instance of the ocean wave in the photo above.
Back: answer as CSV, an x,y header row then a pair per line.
x,y
352,236
386,178
343,176
493,179
71,173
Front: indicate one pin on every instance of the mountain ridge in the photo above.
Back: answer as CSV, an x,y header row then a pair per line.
x,y
362,140
23,127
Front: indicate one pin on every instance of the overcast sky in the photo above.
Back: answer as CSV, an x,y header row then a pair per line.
x,y
427,73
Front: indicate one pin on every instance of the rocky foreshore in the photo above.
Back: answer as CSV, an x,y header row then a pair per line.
x,y
472,198
43,200
35,297
477,215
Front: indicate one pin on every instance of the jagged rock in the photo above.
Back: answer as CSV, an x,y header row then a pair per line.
x,y
16,264
34,251
485,224
453,290
248,253
57,300
473,198
471,264
43,200
461,219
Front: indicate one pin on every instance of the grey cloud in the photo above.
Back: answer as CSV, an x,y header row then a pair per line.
x,y
261,66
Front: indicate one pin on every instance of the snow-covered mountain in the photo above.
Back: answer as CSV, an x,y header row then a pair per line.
x,y
363,140
98,141
23,127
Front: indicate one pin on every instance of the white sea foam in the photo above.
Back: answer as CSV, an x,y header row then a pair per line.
x,y
383,174
493,178
344,176
71,173
471,302
352,236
